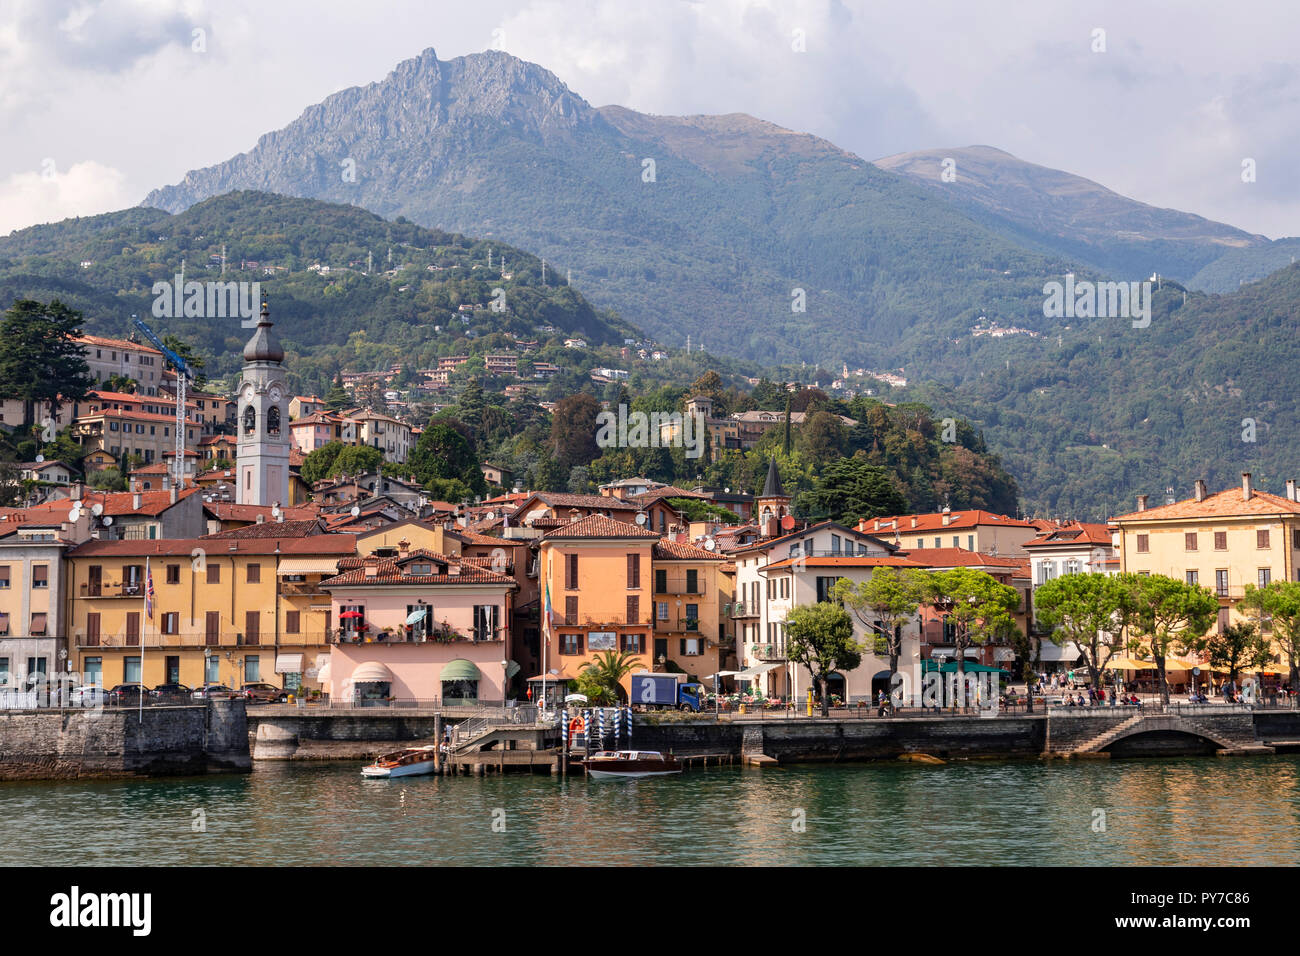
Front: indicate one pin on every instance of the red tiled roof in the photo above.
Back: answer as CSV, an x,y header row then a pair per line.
x,y
599,526
666,550
596,502
958,518
959,558
275,529
230,511
1223,504
1076,532
115,343
396,571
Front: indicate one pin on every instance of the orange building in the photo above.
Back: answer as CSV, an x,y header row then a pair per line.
x,y
597,572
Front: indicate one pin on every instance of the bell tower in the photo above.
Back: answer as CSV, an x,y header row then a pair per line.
x,y
263,422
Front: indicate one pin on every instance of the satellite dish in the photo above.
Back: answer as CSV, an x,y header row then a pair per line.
x,y
97,509
491,515
108,521
709,544
640,518
39,459
787,523
74,514
355,511
275,511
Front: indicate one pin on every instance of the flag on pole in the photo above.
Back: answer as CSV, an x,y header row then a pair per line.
x,y
148,590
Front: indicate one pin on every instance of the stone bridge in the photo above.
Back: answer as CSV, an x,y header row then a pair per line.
x,y
1153,730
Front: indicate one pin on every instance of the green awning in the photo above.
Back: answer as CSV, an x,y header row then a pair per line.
x,y
460,670
512,669
950,667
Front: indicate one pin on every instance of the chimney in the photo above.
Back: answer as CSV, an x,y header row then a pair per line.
x,y
371,563
1142,502
135,499
175,494
77,489
1199,489
946,518
1247,487
1290,489
453,568
403,548
913,521
261,519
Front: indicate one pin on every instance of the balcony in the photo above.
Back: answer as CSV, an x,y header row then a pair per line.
x,y
767,652
743,609
680,585
302,589
678,625
410,635
132,589
190,639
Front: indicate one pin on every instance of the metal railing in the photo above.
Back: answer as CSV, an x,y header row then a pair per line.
x,y
190,639
402,635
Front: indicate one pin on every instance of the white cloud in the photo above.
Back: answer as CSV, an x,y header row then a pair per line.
x,y
49,195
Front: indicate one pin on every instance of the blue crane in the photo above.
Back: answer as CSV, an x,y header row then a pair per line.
x,y
184,374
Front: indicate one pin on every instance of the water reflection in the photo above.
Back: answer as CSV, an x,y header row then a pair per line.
x,y
1170,811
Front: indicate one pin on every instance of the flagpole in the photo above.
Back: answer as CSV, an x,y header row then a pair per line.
x,y
144,631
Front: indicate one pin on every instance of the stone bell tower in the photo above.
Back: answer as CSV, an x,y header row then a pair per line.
x,y
263,422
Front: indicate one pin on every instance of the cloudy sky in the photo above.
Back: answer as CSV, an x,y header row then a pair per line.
x,y
103,100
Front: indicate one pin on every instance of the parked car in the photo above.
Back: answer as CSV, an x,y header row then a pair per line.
x,y
263,692
131,694
91,695
170,692
213,692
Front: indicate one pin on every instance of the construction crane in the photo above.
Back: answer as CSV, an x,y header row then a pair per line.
x,y
184,374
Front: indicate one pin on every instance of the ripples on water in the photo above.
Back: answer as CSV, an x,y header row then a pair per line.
x,y
1194,811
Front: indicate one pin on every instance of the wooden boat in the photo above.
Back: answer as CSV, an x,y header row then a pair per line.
x,y
411,762
610,764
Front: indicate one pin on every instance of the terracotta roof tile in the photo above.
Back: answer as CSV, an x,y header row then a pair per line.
x,y
666,550
1223,504
957,519
599,526
846,561
959,558
341,544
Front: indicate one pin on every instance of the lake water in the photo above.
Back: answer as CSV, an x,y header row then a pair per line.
x,y
1194,811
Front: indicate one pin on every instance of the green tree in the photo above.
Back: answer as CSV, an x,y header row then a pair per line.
x,y
822,437
1089,611
820,637
977,607
355,460
573,430
192,359
1240,647
316,464
336,399
442,452
849,489
40,361
549,475
883,604
1168,614
1278,605
601,679
106,479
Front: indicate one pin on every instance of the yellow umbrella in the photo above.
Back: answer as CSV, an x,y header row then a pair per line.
x,y
1129,664
1183,664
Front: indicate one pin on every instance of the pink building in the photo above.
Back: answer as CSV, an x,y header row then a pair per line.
x,y
420,626
315,431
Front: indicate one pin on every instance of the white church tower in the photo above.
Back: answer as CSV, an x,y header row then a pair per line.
x,y
263,423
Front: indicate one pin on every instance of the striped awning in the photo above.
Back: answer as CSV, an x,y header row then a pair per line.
x,y
288,664
755,670
307,565
459,669
371,672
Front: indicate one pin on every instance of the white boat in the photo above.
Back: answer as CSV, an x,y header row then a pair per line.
x,y
631,764
411,762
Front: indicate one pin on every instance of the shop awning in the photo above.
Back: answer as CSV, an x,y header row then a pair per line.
x,y
460,669
512,668
307,566
754,671
371,672
1051,653
721,674
322,669
950,667
288,664
417,615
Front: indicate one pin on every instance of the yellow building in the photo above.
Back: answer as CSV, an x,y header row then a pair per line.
x,y
1222,541
688,599
225,610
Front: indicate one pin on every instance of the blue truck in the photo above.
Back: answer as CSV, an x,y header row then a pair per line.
x,y
654,691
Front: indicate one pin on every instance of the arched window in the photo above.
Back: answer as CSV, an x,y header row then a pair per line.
x,y
273,420
250,420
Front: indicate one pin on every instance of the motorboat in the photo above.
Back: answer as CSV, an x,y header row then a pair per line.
x,y
631,764
410,762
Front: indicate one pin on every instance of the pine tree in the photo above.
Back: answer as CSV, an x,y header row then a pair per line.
x,y
41,362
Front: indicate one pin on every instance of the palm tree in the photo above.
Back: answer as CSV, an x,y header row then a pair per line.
x,y
601,678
